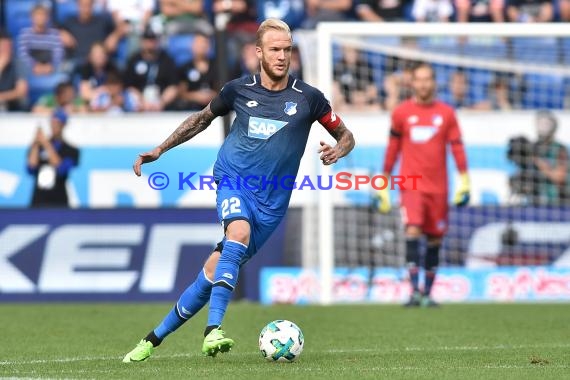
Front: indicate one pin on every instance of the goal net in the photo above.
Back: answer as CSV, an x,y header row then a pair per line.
x,y
497,76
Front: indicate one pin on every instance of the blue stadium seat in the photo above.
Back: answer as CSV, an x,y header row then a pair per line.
x,y
41,85
486,48
17,14
479,82
336,52
543,91
442,74
377,62
536,50
444,45
65,9
480,77
179,48
565,50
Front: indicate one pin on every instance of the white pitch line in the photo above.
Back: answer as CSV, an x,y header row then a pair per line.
x,y
449,348
58,360
331,351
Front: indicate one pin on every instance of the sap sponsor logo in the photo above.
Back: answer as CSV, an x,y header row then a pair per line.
x,y
260,128
421,134
94,258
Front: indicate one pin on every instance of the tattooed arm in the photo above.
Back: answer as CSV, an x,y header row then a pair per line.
x,y
194,124
344,144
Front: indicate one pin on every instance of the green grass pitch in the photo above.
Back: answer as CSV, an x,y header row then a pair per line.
x,y
341,342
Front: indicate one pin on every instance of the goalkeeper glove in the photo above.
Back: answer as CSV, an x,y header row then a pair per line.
x,y
462,194
383,201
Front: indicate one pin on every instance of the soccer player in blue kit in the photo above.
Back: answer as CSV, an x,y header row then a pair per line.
x,y
274,114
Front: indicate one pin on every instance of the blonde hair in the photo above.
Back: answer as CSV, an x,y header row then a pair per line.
x,y
271,24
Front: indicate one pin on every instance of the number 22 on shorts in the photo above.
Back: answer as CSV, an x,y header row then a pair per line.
x,y
230,206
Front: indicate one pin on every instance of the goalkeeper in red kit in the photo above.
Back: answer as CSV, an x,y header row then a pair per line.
x,y
422,129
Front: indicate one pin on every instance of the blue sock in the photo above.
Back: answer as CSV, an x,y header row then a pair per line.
x,y
225,280
189,303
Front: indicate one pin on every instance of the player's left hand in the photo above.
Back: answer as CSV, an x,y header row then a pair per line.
x,y
329,154
462,194
144,158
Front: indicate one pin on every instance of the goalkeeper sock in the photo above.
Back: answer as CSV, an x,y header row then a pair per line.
x,y
225,280
189,303
430,279
431,264
412,259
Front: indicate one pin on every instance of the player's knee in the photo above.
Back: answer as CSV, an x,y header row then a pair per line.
x,y
239,231
211,264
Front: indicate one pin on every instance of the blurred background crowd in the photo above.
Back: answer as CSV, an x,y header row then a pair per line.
x,y
114,56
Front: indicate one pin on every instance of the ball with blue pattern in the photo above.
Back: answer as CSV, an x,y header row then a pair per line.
x,y
281,341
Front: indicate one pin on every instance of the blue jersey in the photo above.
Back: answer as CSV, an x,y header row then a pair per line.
x,y
267,138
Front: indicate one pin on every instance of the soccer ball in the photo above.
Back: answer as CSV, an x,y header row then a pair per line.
x,y
281,341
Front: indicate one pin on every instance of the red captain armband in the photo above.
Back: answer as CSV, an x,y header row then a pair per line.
x,y
330,120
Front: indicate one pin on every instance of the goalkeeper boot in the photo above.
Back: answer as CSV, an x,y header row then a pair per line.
x,y
216,342
415,300
427,301
140,353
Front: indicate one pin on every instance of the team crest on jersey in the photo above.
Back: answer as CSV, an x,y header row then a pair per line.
x,y
263,129
413,119
290,108
437,120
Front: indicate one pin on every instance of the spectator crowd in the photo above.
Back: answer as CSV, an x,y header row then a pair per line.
x,y
114,56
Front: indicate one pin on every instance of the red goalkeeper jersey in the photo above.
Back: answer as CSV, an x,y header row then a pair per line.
x,y
422,132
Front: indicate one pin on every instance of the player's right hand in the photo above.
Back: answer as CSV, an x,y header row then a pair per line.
x,y
144,158
383,203
462,194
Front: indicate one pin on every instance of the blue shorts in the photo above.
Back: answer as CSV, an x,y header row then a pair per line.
x,y
235,205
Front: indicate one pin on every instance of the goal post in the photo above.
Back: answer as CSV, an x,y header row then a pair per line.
x,y
481,61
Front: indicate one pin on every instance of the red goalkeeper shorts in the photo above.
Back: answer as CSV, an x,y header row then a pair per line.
x,y
425,210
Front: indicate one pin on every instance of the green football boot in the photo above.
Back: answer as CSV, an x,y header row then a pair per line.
x,y
140,353
216,342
